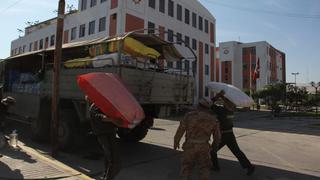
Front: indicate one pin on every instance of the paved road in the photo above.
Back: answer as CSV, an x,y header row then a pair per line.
x,y
282,149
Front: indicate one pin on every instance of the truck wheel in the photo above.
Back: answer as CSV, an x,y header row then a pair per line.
x,y
133,135
66,130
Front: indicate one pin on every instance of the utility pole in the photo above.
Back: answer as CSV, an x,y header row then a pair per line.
x,y
56,80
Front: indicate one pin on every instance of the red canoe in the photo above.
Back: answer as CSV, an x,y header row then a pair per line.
x,y
109,94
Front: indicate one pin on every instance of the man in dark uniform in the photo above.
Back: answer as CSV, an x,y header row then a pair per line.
x,y
225,116
3,111
105,131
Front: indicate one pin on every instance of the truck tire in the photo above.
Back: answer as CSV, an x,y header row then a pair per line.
x,y
133,135
67,129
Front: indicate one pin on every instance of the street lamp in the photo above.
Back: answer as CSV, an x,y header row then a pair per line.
x,y
295,77
316,86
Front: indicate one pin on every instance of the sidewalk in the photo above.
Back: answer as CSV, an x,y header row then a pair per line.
x,y
27,163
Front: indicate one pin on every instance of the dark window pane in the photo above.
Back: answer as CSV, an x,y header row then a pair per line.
x,y
102,24
194,20
103,1
200,23
206,26
151,27
73,33
170,64
92,26
194,44
82,30
152,4
187,16
179,12
187,40
207,69
162,6
41,44
170,35
83,5
93,3
187,65
52,39
206,91
179,65
170,8
206,49
179,38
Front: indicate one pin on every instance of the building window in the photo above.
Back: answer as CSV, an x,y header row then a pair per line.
x,y
151,27
206,26
170,35
206,49
194,44
24,48
187,16
152,4
162,6
93,3
83,5
170,8
200,23
92,26
73,33
30,47
244,67
226,70
82,30
41,44
170,64
179,38
206,71
103,1
179,64
102,24
179,12
52,39
187,41
194,20
194,66
206,93
186,65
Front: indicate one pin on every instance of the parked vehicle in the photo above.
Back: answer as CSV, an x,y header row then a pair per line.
x,y
141,66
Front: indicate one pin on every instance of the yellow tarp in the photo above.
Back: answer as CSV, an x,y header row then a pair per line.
x,y
134,48
78,63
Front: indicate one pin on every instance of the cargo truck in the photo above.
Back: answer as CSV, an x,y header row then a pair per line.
x,y
143,61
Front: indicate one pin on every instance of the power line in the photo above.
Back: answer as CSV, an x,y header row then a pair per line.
x,y
10,6
263,11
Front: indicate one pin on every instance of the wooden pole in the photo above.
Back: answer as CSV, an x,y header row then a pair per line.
x,y
56,80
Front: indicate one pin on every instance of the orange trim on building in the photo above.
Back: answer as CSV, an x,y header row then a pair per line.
x,y
226,72
212,63
217,70
114,4
212,31
133,23
200,69
113,25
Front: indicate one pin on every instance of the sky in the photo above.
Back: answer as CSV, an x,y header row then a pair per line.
x,y
292,26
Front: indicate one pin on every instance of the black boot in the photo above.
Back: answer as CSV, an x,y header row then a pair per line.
x,y
250,170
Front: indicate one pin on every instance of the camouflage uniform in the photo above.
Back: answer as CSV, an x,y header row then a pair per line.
x,y
198,125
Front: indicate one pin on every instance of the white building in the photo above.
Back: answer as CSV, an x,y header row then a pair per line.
x,y
235,60
189,20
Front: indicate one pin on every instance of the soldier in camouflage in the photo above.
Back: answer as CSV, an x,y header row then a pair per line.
x,y
198,126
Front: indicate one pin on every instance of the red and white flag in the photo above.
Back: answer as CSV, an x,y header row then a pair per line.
x,y
256,74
